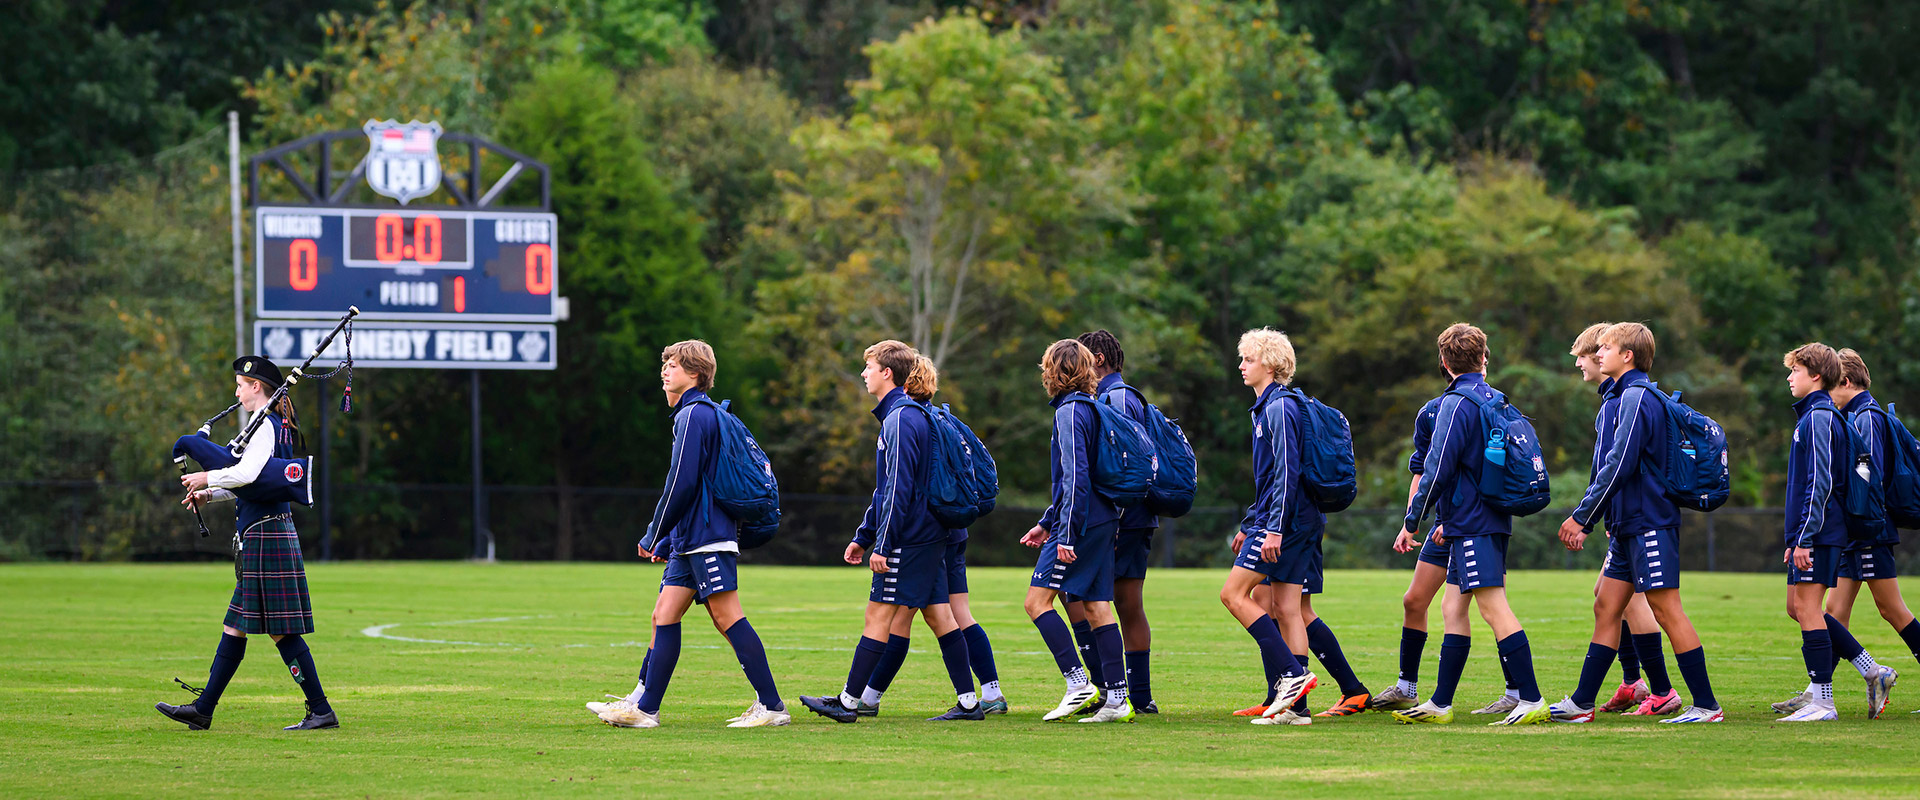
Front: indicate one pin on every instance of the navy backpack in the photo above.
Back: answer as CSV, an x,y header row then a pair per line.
x,y
1862,496
1124,462
962,481
741,481
1326,454
1696,474
1902,471
1178,477
1513,472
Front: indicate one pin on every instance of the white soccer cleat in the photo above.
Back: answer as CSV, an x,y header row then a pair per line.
x,y
1111,714
1880,683
1074,700
1815,711
1794,703
1288,690
630,718
1526,713
1568,711
1287,717
1503,705
618,702
744,714
1697,714
759,716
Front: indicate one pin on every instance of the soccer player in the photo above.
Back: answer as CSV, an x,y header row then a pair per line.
x,y
902,543
921,385
270,587
1075,537
1280,529
1816,530
1132,544
1636,695
1642,553
1476,534
700,545
1868,562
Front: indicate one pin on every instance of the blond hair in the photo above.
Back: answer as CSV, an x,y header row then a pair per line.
x,y
1068,367
1588,342
1463,348
1819,360
1634,338
923,380
1271,349
696,357
1853,369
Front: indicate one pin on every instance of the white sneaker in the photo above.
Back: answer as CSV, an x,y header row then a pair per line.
x,y
1124,713
759,716
1815,711
1074,700
1527,713
1287,690
618,702
1287,717
630,718
744,714
1697,714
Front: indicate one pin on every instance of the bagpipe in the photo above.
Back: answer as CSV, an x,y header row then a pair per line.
x,y
282,480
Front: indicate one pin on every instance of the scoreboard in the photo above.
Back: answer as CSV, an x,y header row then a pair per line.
x,y
443,263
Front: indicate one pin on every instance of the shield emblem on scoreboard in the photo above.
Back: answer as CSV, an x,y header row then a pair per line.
x,y
403,160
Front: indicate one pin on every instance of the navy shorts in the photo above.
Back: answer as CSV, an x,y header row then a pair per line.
x,y
1316,569
916,577
1131,547
1090,577
957,567
1478,561
707,574
1868,564
1296,563
1826,567
1432,553
1649,560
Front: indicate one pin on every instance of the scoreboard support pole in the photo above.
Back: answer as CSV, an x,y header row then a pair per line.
x,y
482,538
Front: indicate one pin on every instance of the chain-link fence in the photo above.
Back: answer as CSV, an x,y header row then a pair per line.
x,y
80,520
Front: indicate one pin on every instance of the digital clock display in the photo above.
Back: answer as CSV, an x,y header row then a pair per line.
x,y
445,263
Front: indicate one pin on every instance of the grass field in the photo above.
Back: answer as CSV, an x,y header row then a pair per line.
x,y
458,678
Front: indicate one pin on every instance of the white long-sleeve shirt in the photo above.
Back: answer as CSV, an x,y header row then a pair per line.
x,y
252,460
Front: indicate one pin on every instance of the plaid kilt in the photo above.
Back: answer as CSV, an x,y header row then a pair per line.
x,y
270,596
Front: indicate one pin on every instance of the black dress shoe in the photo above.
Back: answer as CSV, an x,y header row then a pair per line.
x,y
314,722
188,714
959,712
830,708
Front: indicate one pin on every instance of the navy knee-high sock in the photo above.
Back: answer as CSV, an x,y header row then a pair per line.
x,y
1413,643
1111,652
1083,637
1139,676
293,650
1518,657
753,661
1816,647
644,660
889,664
1652,663
1693,669
1629,655
1275,657
953,650
866,657
1059,641
1911,635
226,661
980,654
1506,673
1326,647
1453,661
1845,647
1593,672
660,663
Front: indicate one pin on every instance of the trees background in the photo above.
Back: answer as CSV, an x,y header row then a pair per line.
x,y
795,179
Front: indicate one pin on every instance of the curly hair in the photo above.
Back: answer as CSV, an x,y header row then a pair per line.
x,y
923,380
1107,347
1273,350
1068,367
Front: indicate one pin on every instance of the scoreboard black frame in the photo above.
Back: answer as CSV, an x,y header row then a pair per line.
x,y
422,263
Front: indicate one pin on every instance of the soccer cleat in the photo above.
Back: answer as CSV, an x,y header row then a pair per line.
x,y
618,702
863,710
1287,690
1251,711
1149,708
1074,700
830,708
1625,697
1568,711
630,718
1348,706
188,714
1697,714
1393,699
760,716
1287,717
1794,703
1812,712
978,712
1657,705
1094,707
314,722
1879,688
743,715
1426,712
1503,705
1533,713
1110,714
994,706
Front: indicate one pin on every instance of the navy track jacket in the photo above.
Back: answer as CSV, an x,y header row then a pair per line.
x,y
1625,487
1879,439
1279,504
898,515
1130,404
1076,507
1814,514
686,517
1450,470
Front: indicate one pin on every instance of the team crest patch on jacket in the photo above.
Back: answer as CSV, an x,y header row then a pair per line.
x,y
294,472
